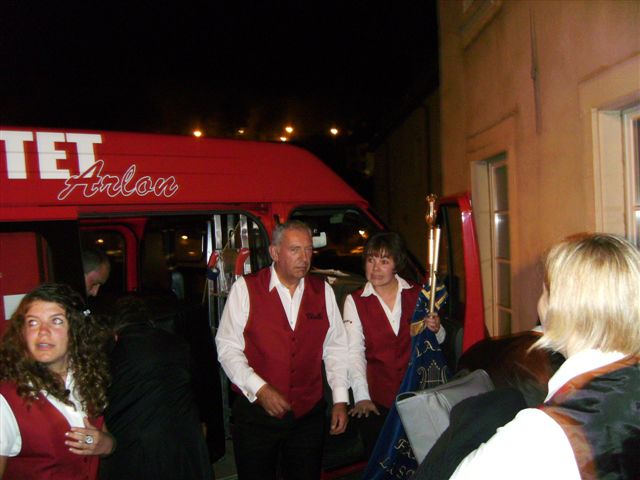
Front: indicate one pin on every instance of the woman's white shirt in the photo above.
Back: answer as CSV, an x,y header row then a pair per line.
x,y
10,438
533,445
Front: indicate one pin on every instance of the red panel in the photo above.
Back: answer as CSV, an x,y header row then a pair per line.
x,y
20,270
474,327
51,167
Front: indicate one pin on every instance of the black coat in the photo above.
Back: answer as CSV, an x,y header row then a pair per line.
x,y
472,422
152,412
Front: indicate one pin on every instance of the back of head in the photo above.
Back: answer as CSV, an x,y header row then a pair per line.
x,y
130,310
593,282
92,259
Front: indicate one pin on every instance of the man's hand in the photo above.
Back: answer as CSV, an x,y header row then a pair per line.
x,y
363,408
433,323
339,419
272,401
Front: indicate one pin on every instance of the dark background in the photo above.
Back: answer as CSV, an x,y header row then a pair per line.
x,y
171,67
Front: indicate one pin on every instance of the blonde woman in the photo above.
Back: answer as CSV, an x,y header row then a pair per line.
x,y
589,425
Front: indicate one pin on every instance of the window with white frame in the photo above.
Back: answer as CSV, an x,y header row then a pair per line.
x,y
631,128
491,209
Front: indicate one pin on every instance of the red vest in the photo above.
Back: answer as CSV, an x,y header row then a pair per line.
x,y
387,354
289,360
43,455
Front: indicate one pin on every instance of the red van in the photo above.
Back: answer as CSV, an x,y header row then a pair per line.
x,y
181,217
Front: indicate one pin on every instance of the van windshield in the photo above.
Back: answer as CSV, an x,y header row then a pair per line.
x,y
340,234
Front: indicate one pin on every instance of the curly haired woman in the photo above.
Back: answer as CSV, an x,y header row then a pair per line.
x,y
53,379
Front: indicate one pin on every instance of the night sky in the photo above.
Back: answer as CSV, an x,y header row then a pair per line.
x,y
172,66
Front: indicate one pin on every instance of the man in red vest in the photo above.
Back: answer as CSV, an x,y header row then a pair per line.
x,y
278,326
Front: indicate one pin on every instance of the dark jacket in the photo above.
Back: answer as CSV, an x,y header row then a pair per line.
x,y
152,412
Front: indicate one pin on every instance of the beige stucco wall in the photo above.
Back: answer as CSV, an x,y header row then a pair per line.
x,y
489,105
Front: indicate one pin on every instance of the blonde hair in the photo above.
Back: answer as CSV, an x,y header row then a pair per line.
x,y
593,282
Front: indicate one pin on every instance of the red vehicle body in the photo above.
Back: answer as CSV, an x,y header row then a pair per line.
x,y
186,216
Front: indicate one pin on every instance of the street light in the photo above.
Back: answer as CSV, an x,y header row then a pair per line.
x,y
288,129
197,133
334,131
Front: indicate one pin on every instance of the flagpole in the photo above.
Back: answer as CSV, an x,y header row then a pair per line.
x,y
434,248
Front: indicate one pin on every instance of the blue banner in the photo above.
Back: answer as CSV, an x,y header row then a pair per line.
x,y
392,456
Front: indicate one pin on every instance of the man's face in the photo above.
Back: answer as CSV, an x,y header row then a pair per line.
x,y
94,279
292,257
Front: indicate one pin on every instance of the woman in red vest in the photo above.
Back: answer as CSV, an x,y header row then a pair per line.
x,y
53,378
377,319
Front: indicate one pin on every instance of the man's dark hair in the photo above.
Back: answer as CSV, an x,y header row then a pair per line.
x,y
130,310
92,259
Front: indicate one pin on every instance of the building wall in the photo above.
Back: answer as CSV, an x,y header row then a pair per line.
x,y
491,104
406,170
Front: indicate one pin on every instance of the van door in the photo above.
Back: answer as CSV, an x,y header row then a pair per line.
x,y
184,267
36,252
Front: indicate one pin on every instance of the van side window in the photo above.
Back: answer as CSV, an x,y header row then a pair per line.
x,y
180,253
346,231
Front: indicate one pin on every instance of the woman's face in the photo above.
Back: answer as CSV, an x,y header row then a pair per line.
x,y
46,331
543,305
380,269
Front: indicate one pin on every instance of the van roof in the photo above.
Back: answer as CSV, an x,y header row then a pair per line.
x,y
66,168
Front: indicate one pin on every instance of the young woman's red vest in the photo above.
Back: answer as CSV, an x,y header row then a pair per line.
x,y
44,455
387,354
290,360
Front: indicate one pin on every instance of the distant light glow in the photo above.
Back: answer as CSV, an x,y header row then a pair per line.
x,y
240,131
283,139
288,129
197,133
184,237
100,241
334,131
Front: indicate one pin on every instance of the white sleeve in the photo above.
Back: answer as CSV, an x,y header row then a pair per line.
x,y
530,447
230,341
357,359
335,350
10,439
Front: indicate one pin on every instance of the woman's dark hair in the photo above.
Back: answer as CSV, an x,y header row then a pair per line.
x,y
389,244
130,310
87,358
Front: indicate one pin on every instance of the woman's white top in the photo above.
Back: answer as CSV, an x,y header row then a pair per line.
x,y
10,439
533,445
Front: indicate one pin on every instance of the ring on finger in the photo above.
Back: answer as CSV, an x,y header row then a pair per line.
x,y
88,439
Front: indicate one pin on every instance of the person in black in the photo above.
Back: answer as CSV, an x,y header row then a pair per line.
x,y
151,411
520,376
